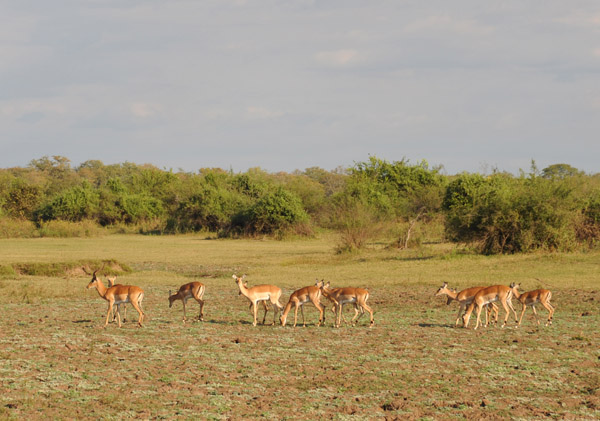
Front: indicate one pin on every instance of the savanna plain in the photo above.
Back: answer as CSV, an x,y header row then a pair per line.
x,y
57,362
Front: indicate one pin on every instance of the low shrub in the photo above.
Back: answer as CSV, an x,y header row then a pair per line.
x,y
17,228
64,229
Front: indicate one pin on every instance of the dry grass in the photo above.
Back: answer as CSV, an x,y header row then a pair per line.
x,y
56,362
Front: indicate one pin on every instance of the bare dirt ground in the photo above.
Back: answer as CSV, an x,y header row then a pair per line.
x,y
57,363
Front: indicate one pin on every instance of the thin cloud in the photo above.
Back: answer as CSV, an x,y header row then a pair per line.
x,y
448,24
261,113
337,58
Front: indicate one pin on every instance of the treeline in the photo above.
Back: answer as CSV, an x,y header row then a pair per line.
x,y
557,208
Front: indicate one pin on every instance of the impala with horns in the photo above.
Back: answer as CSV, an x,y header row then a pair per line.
x,y
533,298
193,290
464,298
260,293
489,295
348,295
119,294
309,294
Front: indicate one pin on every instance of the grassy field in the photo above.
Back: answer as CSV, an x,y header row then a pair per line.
x,y
57,362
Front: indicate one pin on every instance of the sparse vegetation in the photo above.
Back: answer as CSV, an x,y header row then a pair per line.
x,y
55,361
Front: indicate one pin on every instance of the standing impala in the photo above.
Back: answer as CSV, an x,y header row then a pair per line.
x,y
464,298
489,295
193,290
118,294
260,293
348,295
531,298
112,281
300,297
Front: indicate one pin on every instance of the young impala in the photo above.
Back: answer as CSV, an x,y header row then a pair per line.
x,y
112,281
489,295
464,298
348,295
531,299
309,294
119,294
260,293
193,290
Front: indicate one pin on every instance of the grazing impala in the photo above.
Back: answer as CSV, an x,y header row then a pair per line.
x,y
119,294
193,290
531,298
300,297
464,298
260,293
489,295
348,295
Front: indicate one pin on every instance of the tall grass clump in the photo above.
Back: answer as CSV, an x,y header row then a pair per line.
x,y
64,229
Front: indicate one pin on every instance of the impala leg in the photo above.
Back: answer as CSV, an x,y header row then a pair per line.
x,y
137,305
201,315
302,312
537,320
460,309
522,314
266,308
317,304
479,308
254,312
505,305
108,313
295,313
357,314
550,309
509,303
364,307
183,300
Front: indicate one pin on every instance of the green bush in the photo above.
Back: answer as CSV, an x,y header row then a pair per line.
x,y
508,215
275,211
74,204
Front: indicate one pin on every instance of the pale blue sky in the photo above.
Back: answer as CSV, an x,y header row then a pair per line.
x,y
286,85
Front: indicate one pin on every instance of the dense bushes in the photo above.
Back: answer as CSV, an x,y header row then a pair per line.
x,y
557,208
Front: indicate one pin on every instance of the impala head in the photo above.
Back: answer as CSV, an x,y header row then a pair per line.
x,y
442,290
112,280
94,282
240,281
449,298
320,283
515,289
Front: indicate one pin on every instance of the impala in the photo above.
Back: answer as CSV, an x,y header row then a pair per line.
x,y
260,293
464,298
531,298
264,303
489,295
348,295
119,294
300,297
193,290
112,282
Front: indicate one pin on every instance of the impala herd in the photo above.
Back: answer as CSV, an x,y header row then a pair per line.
x,y
470,299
